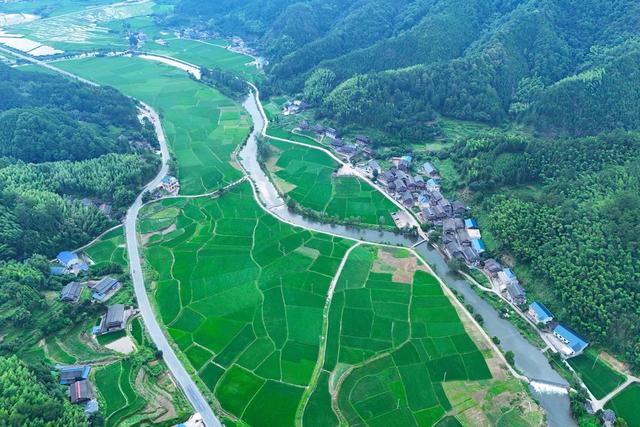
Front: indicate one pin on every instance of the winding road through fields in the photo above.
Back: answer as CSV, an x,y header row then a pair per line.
x,y
182,377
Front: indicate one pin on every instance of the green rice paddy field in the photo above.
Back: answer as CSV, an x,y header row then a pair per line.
x,y
625,405
305,175
203,127
119,398
111,247
208,54
243,297
598,376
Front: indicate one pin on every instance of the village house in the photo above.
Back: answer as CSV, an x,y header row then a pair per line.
x,y
80,391
399,186
429,214
293,107
539,313
458,207
451,225
506,277
362,141
407,199
433,185
70,263
470,223
318,129
608,418
463,238
516,293
114,320
330,133
470,255
403,163
573,344
337,142
478,245
347,150
423,200
368,151
453,250
71,374
474,233
492,266
387,177
373,168
170,184
71,292
304,125
418,181
430,170
439,212
106,287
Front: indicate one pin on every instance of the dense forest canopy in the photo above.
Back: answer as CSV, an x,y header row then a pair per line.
x,y
493,61
578,231
32,397
61,142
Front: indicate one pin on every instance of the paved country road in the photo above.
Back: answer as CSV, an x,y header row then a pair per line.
x,y
180,374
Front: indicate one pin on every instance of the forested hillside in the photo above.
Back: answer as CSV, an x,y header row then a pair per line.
x,y
31,397
65,149
578,231
534,61
61,142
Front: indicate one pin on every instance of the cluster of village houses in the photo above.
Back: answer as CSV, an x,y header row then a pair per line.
x,y
461,237
115,319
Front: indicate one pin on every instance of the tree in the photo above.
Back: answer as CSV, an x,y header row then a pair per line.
x,y
318,85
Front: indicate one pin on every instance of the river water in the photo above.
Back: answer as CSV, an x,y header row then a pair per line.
x,y
529,360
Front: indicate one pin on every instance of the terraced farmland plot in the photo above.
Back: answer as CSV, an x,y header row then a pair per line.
x,y
120,400
203,127
111,247
242,295
391,323
85,28
305,175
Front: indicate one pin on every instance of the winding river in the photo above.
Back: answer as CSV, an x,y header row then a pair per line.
x,y
529,360
545,383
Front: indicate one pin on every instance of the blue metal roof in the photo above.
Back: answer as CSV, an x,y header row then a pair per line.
x,y
429,168
542,313
57,271
433,182
509,272
66,257
576,343
407,158
470,223
478,245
